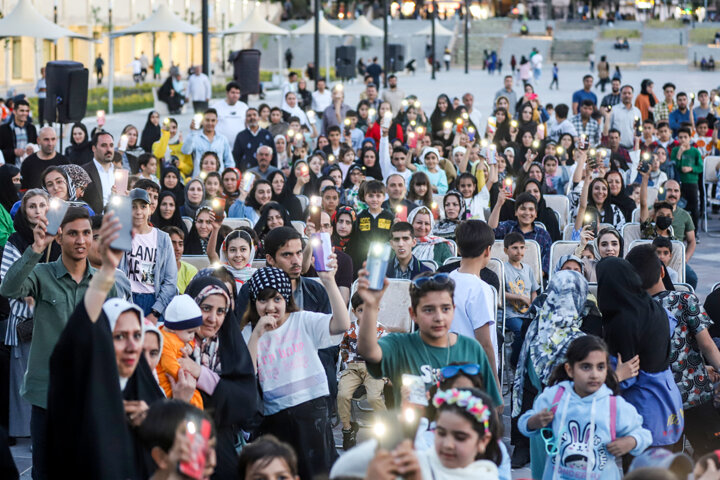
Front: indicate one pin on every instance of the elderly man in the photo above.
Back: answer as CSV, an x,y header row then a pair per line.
x,y
249,141
264,156
199,90
336,112
33,166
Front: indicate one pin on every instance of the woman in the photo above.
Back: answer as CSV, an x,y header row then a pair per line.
x,y
646,100
167,213
428,247
395,131
132,149
196,241
502,137
79,151
221,356
281,150
618,195
194,198
9,194
343,221
369,159
151,132
283,195
171,181
525,152
526,120
555,326
248,205
272,216
565,150
443,113
607,243
19,328
455,212
595,195
57,183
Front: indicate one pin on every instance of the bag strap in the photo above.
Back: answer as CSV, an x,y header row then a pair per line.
x,y
558,396
613,417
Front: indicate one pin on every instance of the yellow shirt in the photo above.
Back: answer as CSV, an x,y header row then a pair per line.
x,y
186,273
160,147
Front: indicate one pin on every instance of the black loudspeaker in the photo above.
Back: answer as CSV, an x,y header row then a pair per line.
x,y
67,91
345,62
396,57
246,70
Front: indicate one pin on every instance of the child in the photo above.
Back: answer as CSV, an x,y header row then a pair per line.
x,y
371,225
420,192
356,135
236,254
164,435
403,264
182,319
584,426
555,71
268,458
701,140
209,162
430,159
432,346
690,163
284,348
520,290
474,311
355,375
185,271
213,186
556,176
664,250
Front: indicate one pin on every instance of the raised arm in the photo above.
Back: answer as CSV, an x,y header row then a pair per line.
x,y
104,278
494,219
644,213
368,346
582,203
340,321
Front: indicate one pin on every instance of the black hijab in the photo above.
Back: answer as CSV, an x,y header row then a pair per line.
x,y
8,192
190,209
150,134
375,171
79,153
178,190
286,197
194,244
644,91
623,202
175,221
438,117
635,323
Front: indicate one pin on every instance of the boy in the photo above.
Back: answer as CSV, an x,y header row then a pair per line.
x,y
403,264
664,250
431,347
371,225
268,458
164,435
356,135
393,160
182,319
355,375
152,189
690,163
701,140
186,272
520,290
474,310
150,264
555,71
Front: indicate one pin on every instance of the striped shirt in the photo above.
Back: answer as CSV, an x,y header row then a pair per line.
x,y
19,308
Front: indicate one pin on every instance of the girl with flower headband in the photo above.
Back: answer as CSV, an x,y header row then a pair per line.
x,y
464,445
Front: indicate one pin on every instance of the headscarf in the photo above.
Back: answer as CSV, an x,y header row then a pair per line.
x,y
337,240
567,258
190,208
261,226
446,227
270,277
241,274
438,118
72,195
375,171
179,189
555,326
425,248
613,231
292,178
79,176
194,244
150,134
8,192
286,198
79,153
427,150
115,307
206,351
622,200
236,193
174,221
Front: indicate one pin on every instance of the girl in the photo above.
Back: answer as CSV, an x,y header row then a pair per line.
x,y
196,242
566,155
608,243
347,158
420,192
545,214
260,194
79,151
430,160
264,114
428,247
236,254
213,186
454,208
171,181
209,163
363,109
299,177
354,179
147,163
282,195
443,113
501,138
151,133
343,221
167,213
583,425
298,411
395,129
475,202
272,216
194,198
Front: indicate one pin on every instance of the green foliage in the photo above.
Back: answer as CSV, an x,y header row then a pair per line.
x,y
703,36
660,52
613,33
671,23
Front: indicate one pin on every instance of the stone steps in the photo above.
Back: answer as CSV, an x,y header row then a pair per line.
x,y
571,51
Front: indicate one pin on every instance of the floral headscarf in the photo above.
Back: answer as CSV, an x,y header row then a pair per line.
x,y
446,227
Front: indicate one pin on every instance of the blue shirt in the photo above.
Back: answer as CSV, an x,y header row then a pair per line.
x,y
198,143
581,95
538,234
677,118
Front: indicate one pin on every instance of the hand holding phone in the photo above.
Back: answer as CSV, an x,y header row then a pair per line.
x,y
55,214
322,250
218,208
197,433
122,208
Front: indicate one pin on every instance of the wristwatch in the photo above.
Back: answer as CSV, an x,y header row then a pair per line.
x,y
156,313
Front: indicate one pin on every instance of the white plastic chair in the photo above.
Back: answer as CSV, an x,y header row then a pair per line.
x,y
394,311
560,249
304,201
299,226
235,223
259,263
451,260
710,178
630,233
677,262
430,264
197,261
567,231
684,287
532,257
188,222
560,204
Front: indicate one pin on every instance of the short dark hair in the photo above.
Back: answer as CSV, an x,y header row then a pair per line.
x,y
333,128
473,237
147,184
646,263
374,186
662,242
351,114
293,118
512,238
173,230
96,222
561,110
684,130
662,205
162,421
98,134
356,300
587,76
144,159
614,130
402,227
417,293
523,198
232,85
662,124
587,103
278,238
75,213
400,149
702,121
681,94
266,449
210,110
22,101
669,84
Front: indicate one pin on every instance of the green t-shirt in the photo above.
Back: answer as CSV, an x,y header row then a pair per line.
x,y
690,158
407,353
682,223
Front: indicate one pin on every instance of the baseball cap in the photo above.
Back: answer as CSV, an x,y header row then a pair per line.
x,y
139,194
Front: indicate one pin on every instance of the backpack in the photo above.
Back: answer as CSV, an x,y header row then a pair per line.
x,y
613,410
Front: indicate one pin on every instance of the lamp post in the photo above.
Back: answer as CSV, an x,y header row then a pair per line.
x,y
111,60
316,40
432,17
467,31
55,20
386,60
205,38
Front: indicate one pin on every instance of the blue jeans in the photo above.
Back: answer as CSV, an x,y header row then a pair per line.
x,y
690,276
38,433
145,301
515,324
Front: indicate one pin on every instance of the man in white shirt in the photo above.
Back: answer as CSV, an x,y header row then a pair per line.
x,y
289,86
136,66
468,99
321,97
624,116
199,90
101,171
231,113
536,61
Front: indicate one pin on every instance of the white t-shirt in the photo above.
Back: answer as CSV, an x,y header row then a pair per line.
x,y
141,262
473,306
289,369
231,119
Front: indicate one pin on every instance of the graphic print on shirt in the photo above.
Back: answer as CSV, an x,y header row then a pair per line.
x,y
141,265
576,452
518,287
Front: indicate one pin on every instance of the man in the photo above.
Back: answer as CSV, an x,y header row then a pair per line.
x,y
321,97
290,85
536,62
682,114
664,108
586,125
397,190
393,95
199,90
264,157
172,91
507,92
371,95
33,166
17,135
612,98
336,112
288,58
41,90
249,141
101,171
375,70
334,137
561,125
403,264
703,109
619,155
207,139
99,63
683,226
626,117
144,65
231,113
56,287
585,93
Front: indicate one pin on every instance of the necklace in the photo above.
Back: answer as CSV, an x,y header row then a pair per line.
x,y
447,348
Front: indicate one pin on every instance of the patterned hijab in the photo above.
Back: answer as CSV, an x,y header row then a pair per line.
x,y
555,326
206,352
270,277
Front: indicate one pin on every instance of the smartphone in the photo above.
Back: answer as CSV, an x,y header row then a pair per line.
x,y
377,261
491,155
471,134
218,208
121,181
644,166
346,122
387,120
55,214
394,426
401,212
541,131
248,181
122,145
591,220
583,142
197,121
416,389
638,127
122,208
592,161
412,140
508,186
198,433
315,210
100,117
322,249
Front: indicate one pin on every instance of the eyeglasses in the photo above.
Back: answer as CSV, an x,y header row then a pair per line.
x,y
548,437
438,278
451,371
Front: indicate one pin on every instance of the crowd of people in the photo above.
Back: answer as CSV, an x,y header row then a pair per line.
x,y
124,360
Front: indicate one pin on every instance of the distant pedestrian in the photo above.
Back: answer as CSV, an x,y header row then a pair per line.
x,y
603,68
555,70
288,58
144,65
41,90
136,67
157,66
591,59
99,63
446,58
499,66
617,75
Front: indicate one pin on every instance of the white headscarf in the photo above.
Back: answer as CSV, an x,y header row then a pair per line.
x,y
115,307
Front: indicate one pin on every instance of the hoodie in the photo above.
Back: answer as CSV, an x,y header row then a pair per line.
x,y
576,421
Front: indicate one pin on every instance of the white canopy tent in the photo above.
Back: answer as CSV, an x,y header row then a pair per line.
x,y
440,31
25,21
256,23
363,27
162,20
326,29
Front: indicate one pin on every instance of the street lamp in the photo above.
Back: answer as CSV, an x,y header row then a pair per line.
x,y
434,15
467,28
205,38
386,60
316,41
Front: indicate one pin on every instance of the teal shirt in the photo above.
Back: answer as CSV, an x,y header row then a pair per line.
x,y
56,295
690,158
407,353
6,226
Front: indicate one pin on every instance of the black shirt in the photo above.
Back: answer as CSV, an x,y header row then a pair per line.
x,y
33,167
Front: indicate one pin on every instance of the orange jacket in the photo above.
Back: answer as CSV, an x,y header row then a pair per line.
x,y
172,351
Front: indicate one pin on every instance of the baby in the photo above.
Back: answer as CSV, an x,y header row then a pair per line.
x,y
182,319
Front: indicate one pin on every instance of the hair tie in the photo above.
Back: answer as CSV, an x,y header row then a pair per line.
x,y
465,400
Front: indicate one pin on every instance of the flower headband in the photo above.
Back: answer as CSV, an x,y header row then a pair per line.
x,y
464,399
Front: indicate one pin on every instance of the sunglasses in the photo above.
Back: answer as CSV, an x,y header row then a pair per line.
x,y
470,369
438,279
